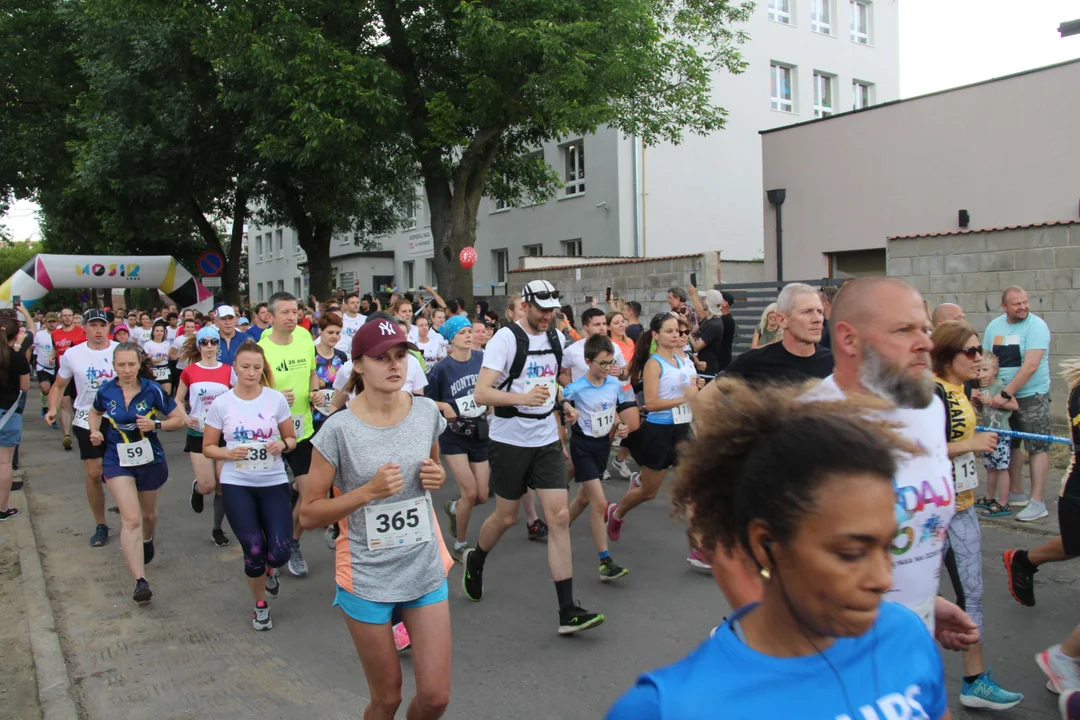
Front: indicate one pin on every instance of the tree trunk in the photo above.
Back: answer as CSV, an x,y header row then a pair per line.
x,y
314,238
230,275
208,232
450,232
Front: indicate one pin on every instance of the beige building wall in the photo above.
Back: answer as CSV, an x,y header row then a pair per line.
x,y
1006,151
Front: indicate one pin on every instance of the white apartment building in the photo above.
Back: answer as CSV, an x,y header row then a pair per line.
x,y
806,59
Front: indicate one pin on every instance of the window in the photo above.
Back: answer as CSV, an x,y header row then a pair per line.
x,y
534,250
410,220
860,92
857,263
574,162
501,205
502,264
296,289
259,288
281,286
823,95
409,267
258,248
429,271
860,22
572,248
280,243
780,11
781,88
821,16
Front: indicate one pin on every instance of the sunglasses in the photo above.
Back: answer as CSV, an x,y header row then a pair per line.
x,y
604,363
684,332
543,295
204,343
972,352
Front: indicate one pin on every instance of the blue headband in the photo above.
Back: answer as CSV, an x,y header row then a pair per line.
x,y
453,326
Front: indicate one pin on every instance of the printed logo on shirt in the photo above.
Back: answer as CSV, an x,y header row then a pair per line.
x,y
537,370
142,407
291,364
1007,349
893,706
96,378
242,434
462,383
909,502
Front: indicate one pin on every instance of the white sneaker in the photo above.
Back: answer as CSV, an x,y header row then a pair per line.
x,y
635,480
1018,499
297,564
617,442
1035,510
260,619
1063,671
621,467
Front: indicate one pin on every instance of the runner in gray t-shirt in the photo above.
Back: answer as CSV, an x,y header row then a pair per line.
x,y
377,458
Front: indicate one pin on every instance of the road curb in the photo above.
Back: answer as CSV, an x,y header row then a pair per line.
x,y
50,668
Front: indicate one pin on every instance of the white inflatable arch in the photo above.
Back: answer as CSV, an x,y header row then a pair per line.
x,y
43,273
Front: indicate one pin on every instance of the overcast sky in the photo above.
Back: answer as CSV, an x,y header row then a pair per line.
x,y
943,43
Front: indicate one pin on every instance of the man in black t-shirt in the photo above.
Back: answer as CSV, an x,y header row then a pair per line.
x,y
729,332
797,356
709,343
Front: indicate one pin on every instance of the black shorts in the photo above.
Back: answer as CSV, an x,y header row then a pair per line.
x,y
450,443
1069,524
589,455
69,391
300,459
655,446
194,443
86,450
516,469
46,376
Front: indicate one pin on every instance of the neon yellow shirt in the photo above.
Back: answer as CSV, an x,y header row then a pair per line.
x,y
291,366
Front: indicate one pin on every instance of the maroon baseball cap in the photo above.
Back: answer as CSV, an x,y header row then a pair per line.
x,y
377,336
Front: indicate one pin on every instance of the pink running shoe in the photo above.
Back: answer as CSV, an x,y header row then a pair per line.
x,y
614,525
697,560
610,509
401,637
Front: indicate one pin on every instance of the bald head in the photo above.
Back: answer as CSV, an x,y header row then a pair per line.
x,y
947,312
860,300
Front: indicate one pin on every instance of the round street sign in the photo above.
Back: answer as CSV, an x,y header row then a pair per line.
x,y
210,264
84,297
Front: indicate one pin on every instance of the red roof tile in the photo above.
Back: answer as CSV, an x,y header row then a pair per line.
x,y
985,230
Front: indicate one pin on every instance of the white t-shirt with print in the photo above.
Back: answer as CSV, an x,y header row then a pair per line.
x,y
925,503
349,326
414,377
142,335
573,359
90,369
43,347
158,352
499,355
248,422
434,349
178,345
170,333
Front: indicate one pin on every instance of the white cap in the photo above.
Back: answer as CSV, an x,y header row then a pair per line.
x,y
542,294
225,311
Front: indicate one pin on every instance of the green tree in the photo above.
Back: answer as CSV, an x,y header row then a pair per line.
x,y
475,85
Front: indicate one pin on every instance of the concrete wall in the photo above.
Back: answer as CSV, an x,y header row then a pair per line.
x,y
1003,150
643,279
972,269
703,194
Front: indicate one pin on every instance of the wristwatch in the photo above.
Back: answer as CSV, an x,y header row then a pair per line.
x,y
1005,395
157,424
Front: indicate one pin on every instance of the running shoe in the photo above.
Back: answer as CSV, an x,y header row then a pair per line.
x,y
142,593
574,618
1021,574
614,526
448,506
458,552
1018,499
297,564
330,536
983,503
1063,671
273,585
609,509
987,694
196,497
635,481
17,486
1035,510
1069,705
610,570
617,442
147,551
67,442
621,467
8,513
260,619
472,580
101,536
537,531
220,538
401,637
697,560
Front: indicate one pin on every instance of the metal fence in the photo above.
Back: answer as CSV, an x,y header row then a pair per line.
x,y
752,298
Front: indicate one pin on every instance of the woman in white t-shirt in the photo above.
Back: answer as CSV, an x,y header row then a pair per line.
x,y
377,460
157,349
431,344
256,423
202,381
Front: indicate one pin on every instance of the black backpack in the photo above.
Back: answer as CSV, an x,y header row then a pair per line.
x,y
520,356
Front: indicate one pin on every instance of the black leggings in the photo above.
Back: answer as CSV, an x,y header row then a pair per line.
x,y
261,517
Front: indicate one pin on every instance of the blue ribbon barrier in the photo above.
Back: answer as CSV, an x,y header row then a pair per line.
x,y
1025,435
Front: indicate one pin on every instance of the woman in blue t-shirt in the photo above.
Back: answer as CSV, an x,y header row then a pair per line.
x,y
805,490
463,445
135,408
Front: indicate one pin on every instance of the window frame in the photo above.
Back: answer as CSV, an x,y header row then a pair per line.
x,y
822,27
824,83
527,250
259,292
258,248
777,101
281,285
408,273
575,245
573,186
857,86
779,15
861,37
500,257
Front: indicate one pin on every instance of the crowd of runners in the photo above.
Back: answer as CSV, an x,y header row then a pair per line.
x,y
825,476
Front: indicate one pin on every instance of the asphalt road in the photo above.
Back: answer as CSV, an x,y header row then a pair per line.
x,y
192,653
